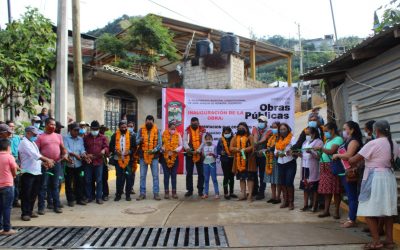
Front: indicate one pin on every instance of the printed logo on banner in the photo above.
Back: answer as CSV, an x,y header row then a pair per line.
x,y
175,111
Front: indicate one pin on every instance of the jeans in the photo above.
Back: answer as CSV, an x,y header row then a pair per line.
x,y
124,179
259,184
287,172
16,188
210,169
170,173
30,187
106,189
351,193
189,175
229,177
51,183
6,201
94,173
74,184
143,174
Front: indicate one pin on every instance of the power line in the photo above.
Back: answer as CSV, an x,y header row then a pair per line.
x,y
227,13
173,11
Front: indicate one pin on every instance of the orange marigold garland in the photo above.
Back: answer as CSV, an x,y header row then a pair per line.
x,y
149,142
170,143
270,155
195,143
123,160
241,142
281,144
226,148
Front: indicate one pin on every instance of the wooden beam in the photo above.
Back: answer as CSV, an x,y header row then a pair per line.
x,y
174,27
253,62
289,71
366,54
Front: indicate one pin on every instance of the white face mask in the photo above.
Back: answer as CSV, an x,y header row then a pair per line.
x,y
308,137
227,136
345,134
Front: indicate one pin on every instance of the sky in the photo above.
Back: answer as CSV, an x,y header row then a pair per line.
x,y
261,17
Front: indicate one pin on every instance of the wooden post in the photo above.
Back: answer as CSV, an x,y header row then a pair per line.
x,y
289,71
78,79
253,62
151,73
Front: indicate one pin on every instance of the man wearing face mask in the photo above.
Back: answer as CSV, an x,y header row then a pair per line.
x,y
122,146
313,121
192,141
83,128
51,145
96,146
15,140
131,129
150,142
261,134
37,123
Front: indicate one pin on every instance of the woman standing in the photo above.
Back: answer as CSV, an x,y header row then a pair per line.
x,y
226,158
378,195
329,184
171,146
310,168
242,147
286,164
352,135
271,168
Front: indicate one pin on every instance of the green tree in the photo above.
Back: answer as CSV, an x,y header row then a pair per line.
x,y
391,16
144,42
27,54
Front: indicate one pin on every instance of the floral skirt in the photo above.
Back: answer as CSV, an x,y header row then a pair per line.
x,y
328,182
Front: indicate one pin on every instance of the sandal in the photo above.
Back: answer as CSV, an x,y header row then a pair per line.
x,y
324,215
373,245
349,224
389,245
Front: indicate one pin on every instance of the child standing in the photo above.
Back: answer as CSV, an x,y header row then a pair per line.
x,y
209,165
8,171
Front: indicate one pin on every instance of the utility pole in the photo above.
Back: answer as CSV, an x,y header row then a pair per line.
x,y
78,79
300,50
12,108
333,20
61,84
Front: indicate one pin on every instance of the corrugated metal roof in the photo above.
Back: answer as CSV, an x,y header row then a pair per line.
x,y
379,42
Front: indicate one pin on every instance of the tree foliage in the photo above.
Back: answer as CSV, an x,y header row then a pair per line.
x,y
145,42
27,54
391,16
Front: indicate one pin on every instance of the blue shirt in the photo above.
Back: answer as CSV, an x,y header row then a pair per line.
x,y
157,147
15,141
74,145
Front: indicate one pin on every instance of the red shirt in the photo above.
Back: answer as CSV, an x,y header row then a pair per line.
x,y
94,146
7,167
50,145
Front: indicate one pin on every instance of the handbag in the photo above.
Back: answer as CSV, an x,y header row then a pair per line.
x,y
337,167
352,175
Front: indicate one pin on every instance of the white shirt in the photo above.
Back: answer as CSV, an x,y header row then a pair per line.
x,y
29,156
286,159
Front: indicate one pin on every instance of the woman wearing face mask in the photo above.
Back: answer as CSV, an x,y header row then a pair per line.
x,y
368,131
271,169
329,183
310,168
353,143
226,158
171,146
209,151
378,194
286,164
241,147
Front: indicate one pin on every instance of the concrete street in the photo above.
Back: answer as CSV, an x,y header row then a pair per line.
x,y
256,225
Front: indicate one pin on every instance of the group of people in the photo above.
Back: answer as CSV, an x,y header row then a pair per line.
x,y
330,162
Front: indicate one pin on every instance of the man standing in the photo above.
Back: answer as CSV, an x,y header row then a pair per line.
x,y
43,116
192,140
149,140
59,127
15,140
31,177
261,135
122,146
51,146
83,128
96,148
131,129
106,189
37,123
74,173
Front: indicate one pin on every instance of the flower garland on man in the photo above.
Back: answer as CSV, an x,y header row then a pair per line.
x,y
171,146
149,140
192,142
123,145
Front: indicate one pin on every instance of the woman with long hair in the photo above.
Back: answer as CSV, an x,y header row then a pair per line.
x,y
353,143
226,158
242,148
286,164
271,168
378,194
329,184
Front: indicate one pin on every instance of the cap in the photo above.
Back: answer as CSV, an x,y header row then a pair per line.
x,y
95,124
4,128
84,123
59,125
36,118
74,126
32,129
104,127
262,118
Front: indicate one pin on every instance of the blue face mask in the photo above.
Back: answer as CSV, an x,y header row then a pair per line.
x,y
95,132
328,135
33,138
227,136
130,130
274,131
82,131
261,125
312,124
37,125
